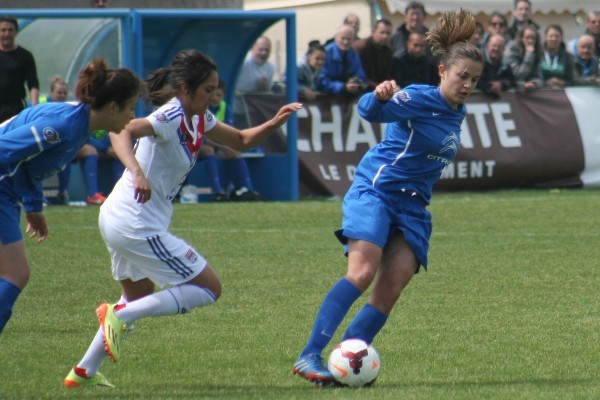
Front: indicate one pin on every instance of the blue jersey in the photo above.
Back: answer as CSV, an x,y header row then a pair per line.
x,y
37,143
421,138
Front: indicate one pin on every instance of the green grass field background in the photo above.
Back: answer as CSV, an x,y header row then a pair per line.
x,y
509,309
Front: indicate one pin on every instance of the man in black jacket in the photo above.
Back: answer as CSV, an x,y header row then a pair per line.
x,y
497,76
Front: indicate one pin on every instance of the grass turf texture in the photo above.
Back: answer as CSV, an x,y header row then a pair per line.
x,y
509,308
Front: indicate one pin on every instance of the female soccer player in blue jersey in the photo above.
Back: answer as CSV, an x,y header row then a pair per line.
x,y
39,142
386,225
135,225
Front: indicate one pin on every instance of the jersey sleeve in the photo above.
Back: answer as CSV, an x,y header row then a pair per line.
x,y
403,106
34,200
210,121
165,121
26,141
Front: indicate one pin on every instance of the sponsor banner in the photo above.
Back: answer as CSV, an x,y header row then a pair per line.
x,y
586,103
525,139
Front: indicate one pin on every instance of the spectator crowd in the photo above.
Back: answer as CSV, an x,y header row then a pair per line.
x,y
519,55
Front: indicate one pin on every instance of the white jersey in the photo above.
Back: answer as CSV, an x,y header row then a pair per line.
x,y
166,159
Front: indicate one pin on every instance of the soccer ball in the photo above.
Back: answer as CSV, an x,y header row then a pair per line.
x,y
354,363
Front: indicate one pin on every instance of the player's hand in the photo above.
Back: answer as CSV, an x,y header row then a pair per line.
x,y
36,225
385,90
284,113
141,188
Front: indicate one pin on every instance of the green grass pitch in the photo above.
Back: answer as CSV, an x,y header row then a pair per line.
x,y
509,309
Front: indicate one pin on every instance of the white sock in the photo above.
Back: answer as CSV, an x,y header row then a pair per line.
x,y
176,300
95,355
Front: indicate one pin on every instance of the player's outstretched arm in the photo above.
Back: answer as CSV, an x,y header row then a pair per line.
x,y
248,138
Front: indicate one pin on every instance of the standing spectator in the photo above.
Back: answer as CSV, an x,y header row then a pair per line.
x,y
342,72
412,65
521,17
17,68
586,62
557,64
376,54
497,76
308,70
257,71
592,28
414,19
497,25
386,226
256,76
134,221
524,55
39,142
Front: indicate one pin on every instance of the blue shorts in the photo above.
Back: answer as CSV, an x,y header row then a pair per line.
x,y
374,216
10,220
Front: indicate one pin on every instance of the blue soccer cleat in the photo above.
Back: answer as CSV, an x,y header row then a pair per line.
x,y
311,368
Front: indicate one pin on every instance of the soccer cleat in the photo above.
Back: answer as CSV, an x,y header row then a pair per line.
x,y
73,380
244,194
311,368
97,198
114,330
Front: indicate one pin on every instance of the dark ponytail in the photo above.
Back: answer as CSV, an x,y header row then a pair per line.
x,y
98,85
189,68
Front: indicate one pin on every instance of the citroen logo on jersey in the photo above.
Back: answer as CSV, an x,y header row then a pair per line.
x,y
450,144
50,135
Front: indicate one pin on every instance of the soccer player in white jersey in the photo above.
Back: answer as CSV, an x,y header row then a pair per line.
x,y
135,218
386,225
39,142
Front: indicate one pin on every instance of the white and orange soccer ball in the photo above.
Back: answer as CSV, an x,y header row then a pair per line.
x,y
354,363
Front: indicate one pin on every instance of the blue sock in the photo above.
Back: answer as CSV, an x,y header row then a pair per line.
x,y
8,296
63,179
333,310
90,169
243,174
366,324
213,173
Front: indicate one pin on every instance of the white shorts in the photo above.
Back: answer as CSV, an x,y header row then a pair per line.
x,y
165,259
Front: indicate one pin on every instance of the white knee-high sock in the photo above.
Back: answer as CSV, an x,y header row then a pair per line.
x,y
95,355
176,300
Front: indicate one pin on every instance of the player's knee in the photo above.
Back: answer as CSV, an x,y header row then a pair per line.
x,y
18,276
361,277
